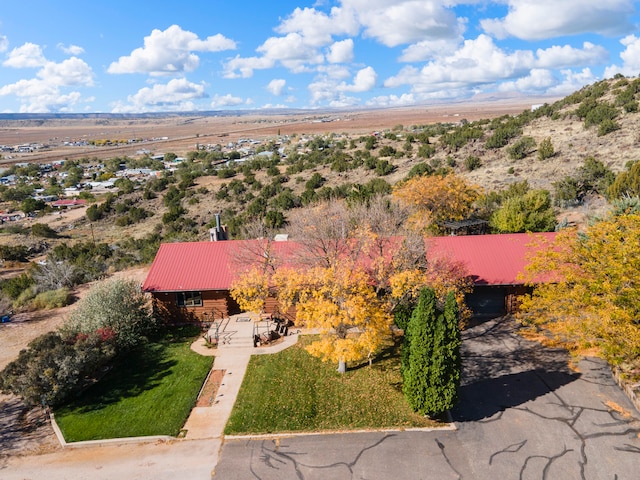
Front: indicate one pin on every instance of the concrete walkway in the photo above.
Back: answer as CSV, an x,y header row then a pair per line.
x,y
233,357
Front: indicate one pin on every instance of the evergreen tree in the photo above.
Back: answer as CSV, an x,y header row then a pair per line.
x,y
420,335
433,364
446,357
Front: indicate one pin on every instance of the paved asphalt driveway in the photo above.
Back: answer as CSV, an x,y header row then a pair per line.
x,y
523,414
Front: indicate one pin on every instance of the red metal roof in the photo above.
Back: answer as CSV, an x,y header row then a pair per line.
x,y
197,266
489,259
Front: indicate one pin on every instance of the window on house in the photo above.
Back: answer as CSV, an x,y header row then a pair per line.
x,y
189,299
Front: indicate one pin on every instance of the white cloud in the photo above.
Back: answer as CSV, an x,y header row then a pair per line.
x,y
427,50
292,51
335,72
434,28
272,106
177,94
630,58
71,49
477,62
329,87
552,18
4,43
28,55
38,96
402,22
169,52
276,86
392,100
341,52
343,101
72,71
568,56
364,81
544,82
304,33
243,67
480,65
318,27
45,93
572,81
227,100
30,88
538,81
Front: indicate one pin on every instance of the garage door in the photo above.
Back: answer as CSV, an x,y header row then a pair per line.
x,y
487,301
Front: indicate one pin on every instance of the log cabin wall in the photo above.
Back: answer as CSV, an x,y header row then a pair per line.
x,y
514,296
216,305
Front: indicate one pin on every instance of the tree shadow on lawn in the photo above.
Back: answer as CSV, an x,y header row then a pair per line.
x,y
133,373
384,359
387,359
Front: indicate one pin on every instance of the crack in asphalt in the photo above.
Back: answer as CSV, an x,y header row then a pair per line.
x,y
442,447
513,448
550,460
268,454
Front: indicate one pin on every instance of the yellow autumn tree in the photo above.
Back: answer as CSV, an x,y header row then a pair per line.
x,y
347,273
343,306
251,289
589,297
435,199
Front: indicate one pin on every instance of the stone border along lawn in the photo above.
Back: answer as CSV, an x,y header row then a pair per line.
x,y
292,391
150,391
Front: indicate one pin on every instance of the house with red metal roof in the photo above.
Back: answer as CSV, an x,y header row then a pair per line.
x,y
191,281
495,264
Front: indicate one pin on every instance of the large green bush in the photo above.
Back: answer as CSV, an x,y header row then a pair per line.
x,y
627,183
43,230
531,212
545,149
117,305
14,253
55,366
472,162
521,148
13,287
503,133
52,299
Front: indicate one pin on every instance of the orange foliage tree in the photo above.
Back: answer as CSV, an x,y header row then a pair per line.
x,y
591,297
435,199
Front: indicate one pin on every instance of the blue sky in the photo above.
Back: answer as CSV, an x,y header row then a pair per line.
x,y
141,56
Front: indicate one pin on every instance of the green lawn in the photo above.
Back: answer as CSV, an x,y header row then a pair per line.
x,y
150,391
293,391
